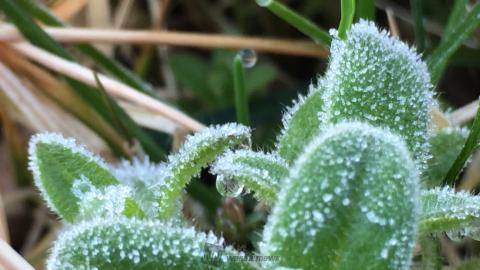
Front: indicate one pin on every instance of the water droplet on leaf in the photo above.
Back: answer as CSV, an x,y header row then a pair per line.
x,y
248,57
228,187
456,235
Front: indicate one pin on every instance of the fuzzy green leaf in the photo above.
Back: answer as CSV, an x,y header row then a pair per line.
x,y
198,151
375,78
121,243
350,202
58,164
445,146
443,209
257,171
300,124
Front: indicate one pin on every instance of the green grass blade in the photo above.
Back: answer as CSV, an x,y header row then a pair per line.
x,y
456,16
348,12
117,70
437,61
467,150
301,23
241,103
365,9
417,14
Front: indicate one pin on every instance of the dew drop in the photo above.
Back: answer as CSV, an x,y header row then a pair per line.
x,y
264,3
228,187
248,57
456,235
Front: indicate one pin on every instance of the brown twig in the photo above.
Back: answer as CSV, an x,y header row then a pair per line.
x,y
11,260
81,35
115,88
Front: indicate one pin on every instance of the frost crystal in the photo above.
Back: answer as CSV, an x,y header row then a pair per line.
x,y
376,78
443,209
104,202
300,124
354,184
121,243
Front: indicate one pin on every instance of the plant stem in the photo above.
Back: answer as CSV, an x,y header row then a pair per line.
x,y
470,145
348,12
301,23
241,103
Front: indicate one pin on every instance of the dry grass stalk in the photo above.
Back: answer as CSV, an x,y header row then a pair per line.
x,y
392,22
149,119
464,114
11,260
439,119
4,235
65,10
114,87
210,41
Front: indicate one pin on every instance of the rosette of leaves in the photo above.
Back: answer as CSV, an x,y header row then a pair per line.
x,y
343,181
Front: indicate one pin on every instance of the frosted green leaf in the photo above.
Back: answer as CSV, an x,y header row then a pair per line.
x,y
257,171
443,209
103,201
122,243
300,124
197,151
375,78
350,202
140,175
56,163
445,146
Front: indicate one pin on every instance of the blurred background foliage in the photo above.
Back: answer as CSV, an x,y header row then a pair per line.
x,y
197,81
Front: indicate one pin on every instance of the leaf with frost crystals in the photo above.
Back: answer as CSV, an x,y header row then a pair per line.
x,y
443,209
257,171
350,202
378,79
198,150
445,146
122,243
300,124
56,163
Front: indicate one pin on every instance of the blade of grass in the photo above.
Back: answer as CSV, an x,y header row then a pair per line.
x,y
456,16
437,61
115,88
40,12
11,260
241,103
470,145
417,14
37,36
66,98
296,20
348,12
365,10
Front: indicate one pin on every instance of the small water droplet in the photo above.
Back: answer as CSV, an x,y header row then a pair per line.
x,y
456,235
228,187
248,57
264,3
